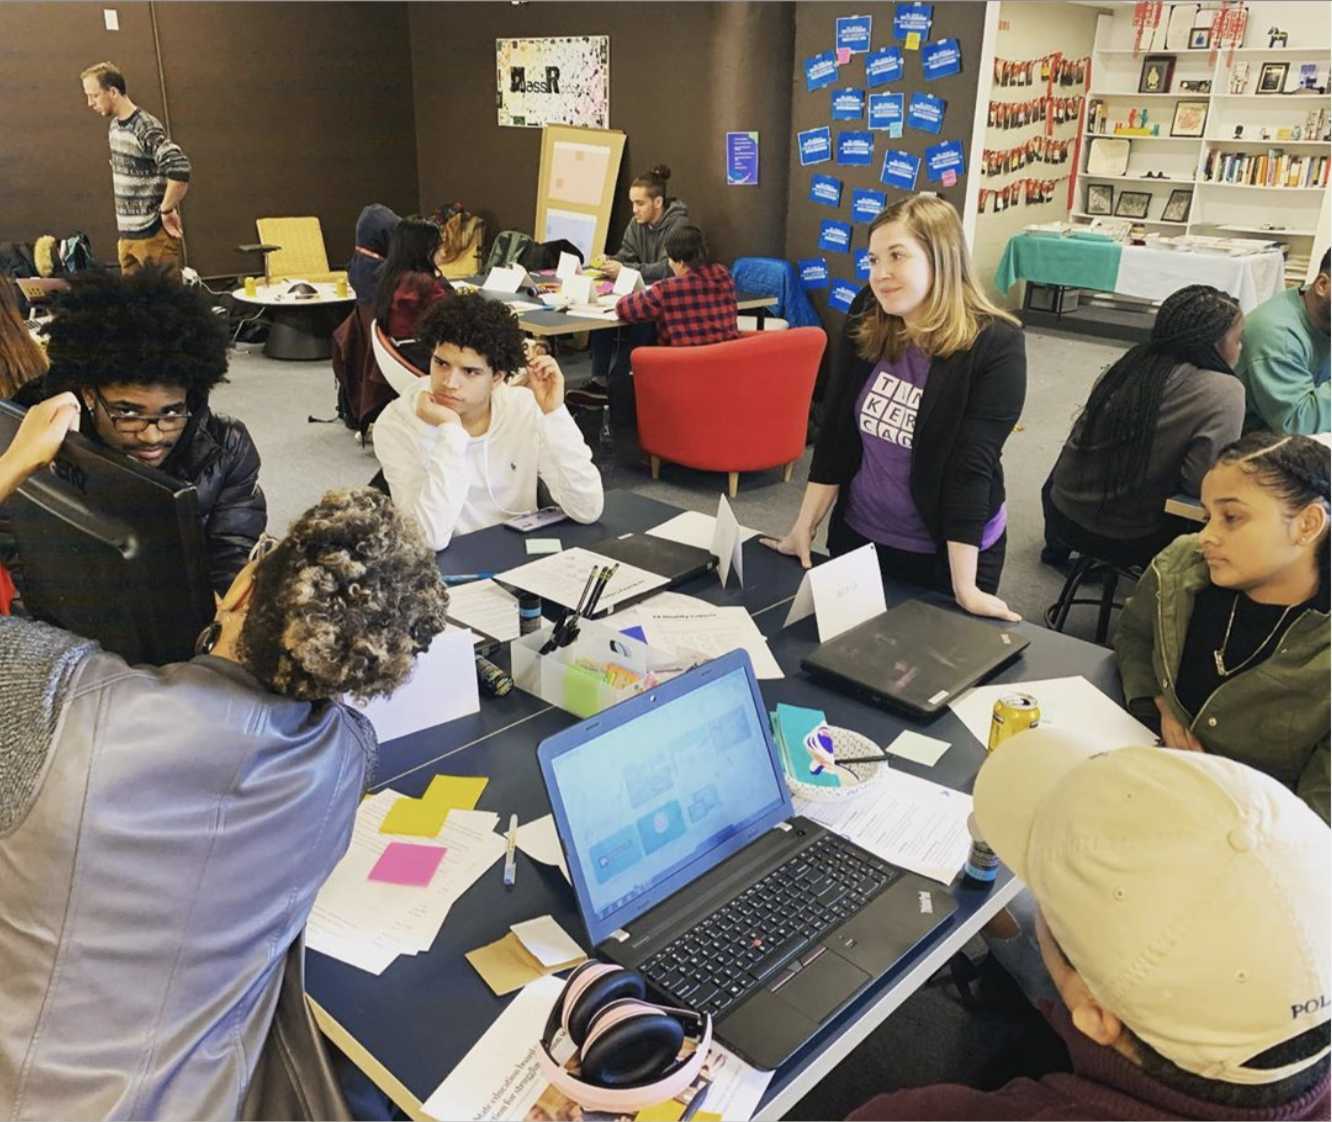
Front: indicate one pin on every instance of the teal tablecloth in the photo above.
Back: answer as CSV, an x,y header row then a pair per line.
x,y
1073,262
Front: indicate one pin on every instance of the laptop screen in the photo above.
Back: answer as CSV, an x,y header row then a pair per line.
x,y
674,785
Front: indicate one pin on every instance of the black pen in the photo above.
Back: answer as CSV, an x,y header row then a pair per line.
x,y
605,579
560,637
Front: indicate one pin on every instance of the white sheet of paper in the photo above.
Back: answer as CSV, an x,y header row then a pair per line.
x,y
726,543
911,822
1071,703
708,631
442,688
626,281
111,19
695,528
499,1078
540,841
561,578
548,942
578,288
506,279
842,593
569,266
736,1087
542,546
918,748
486,607
592,311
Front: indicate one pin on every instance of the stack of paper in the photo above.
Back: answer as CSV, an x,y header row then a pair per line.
x,y
368,923
529,951
705,632
561,578
484,606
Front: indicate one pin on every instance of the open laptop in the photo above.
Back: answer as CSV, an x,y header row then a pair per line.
x,y
915,657
691,867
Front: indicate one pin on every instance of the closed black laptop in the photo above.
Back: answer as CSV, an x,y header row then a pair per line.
x,y
690,866
916,657
673,560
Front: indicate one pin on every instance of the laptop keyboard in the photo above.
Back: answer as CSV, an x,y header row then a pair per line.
x,y
770,932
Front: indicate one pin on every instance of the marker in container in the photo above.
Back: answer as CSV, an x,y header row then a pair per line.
x,y
495,680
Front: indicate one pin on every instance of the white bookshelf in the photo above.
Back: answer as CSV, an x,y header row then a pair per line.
x,y
1217,208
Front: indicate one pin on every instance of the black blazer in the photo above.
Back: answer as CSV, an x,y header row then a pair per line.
x,y
971,402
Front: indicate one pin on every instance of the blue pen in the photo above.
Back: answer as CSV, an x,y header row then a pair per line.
x,y
464,578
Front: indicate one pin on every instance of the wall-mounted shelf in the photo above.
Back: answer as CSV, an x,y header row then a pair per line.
x,y
1121,136
1257,186
1144,221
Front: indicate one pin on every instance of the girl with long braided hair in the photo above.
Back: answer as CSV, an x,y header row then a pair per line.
x,y
1150,429
1225,640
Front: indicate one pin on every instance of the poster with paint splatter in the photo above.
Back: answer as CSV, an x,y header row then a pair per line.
x,y
541,82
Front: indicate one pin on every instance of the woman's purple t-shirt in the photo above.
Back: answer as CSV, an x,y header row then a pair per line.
x,y
880,506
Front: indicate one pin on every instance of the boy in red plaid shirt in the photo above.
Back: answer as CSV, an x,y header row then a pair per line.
x,y
693,307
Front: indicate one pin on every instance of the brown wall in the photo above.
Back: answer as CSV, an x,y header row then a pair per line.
x,y
682,75
283,108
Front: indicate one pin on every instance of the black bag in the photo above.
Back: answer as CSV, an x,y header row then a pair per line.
x,y
74,254
546,255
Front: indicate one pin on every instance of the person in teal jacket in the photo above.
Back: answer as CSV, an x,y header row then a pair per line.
x,y
1285,362
1225,640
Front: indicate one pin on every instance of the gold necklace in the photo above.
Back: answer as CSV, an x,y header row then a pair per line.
x,y
1220,654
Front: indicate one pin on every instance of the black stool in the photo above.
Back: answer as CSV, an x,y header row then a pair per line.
x,y
1086,568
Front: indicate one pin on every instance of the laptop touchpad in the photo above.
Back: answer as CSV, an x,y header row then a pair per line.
x,y
823,986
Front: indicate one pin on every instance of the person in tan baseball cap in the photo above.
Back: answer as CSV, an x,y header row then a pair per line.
x,y
1186,922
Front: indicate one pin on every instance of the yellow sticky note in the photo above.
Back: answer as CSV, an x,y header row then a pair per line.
x,y
455,792
913,41
414,817
670,1111
706,1116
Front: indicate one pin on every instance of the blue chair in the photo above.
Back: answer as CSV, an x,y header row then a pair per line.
x,y
772,276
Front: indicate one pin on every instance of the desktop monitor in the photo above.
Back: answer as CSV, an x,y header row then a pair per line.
x,y
111,550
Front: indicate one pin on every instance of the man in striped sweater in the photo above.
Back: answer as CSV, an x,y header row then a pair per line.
x,y
149,174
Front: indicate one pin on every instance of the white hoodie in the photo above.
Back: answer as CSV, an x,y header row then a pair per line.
x,y
453,483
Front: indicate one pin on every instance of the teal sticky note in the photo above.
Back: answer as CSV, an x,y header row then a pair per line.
x,y
895,129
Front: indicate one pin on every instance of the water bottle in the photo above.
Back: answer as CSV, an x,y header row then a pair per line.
x,y
606,438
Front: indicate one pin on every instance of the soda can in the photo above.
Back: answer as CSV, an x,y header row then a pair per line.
x,y
1013,713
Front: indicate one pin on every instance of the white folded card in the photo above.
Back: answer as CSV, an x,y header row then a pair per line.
x,y
726,544
578,288
841,593
507,280
442,688
569,266
627,280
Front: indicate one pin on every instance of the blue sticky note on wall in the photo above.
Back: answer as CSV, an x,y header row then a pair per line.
x,y
886,110
825,189
813,272
866,204
855,149
900,170
815,146
938,60
820,71
853,33
945,157
843,294
848,105
834,235
861,258
912,19
882,67
926,112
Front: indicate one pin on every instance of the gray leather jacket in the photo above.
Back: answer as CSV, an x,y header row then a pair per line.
x,y
163,833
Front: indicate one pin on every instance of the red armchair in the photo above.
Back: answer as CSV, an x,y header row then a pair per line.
x,y
736,406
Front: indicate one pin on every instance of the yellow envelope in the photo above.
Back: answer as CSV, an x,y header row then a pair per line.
x,y
506,965
414,817
455,792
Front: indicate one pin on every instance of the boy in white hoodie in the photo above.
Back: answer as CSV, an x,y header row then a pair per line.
x,y
464,450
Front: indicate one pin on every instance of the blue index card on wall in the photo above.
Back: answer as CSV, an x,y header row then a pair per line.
x,y
825,189
943,158
855,149
900,170
866,204
853,33
815,145
913,19
834,235
886,110
813,272
848,105
938,60
883,66
821,70
842,295
926,112
861,258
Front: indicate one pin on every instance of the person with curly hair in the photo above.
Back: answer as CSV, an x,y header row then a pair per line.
x,y
164,831
142,353
465,450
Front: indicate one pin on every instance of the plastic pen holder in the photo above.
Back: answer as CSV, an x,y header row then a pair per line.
x,y
557,678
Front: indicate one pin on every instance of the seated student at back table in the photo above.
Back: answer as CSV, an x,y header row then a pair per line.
x,y
694,307
142,352
409,283
643,247
1225,640
374,232
1151,428
465,450
926,385
1184,922
1285,365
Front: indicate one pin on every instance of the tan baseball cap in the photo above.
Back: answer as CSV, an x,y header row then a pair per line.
x,y
1190,892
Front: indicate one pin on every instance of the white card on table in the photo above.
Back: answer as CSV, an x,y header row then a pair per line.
x,y
507,280
726,545
578,288
569,266
442,688
628,280
841,593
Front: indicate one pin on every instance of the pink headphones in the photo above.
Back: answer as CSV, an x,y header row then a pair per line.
x,y
628,1049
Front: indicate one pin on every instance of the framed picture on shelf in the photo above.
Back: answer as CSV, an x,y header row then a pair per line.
x,y
1200,38
1272,77
1190,118
1195,85
1132,204
1157,70
1100,198
1177,206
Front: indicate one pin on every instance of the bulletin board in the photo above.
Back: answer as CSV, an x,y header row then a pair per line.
x,y
576,187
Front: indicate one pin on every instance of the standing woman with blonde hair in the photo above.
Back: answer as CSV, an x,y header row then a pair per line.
x,y
927,383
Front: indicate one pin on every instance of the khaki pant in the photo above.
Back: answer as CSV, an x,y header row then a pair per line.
x,y
161,249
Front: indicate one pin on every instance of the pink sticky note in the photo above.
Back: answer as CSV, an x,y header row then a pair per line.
x,y
949,177
843,55
404,863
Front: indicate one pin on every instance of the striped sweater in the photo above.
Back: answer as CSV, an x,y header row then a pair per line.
x,y
142,160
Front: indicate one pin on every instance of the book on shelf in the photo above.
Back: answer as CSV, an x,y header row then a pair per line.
x,y
1273,168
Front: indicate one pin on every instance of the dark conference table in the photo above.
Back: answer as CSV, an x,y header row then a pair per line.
x,y
412,1025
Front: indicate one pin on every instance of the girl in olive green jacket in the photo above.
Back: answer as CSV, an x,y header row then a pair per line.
x,y
1226,636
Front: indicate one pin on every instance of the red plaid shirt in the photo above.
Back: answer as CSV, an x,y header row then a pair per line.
x,y
689,311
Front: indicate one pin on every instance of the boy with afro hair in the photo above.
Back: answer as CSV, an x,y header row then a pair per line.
x,y
464,450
